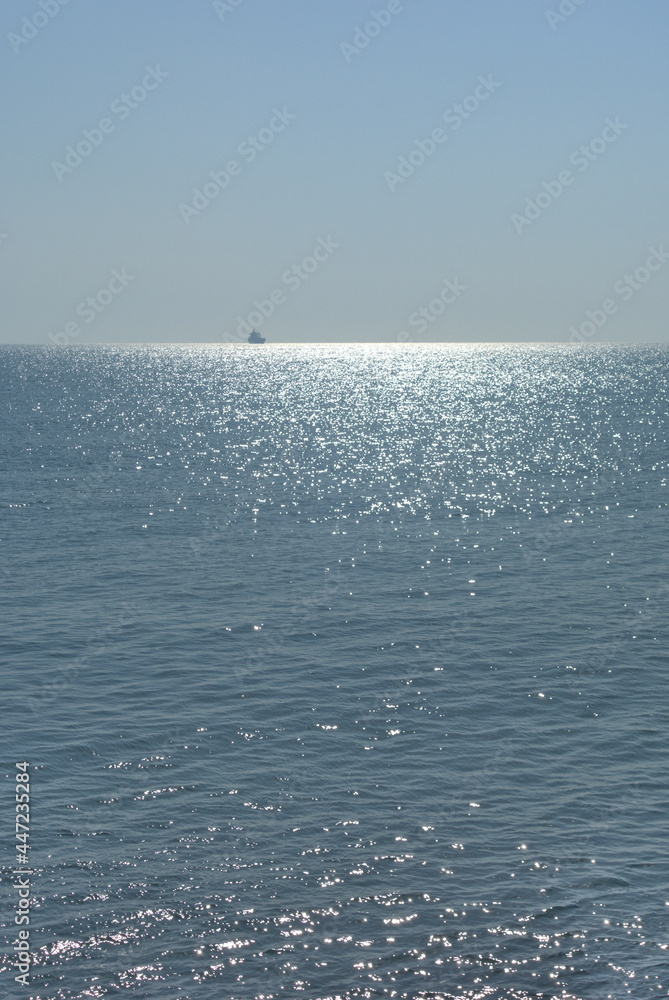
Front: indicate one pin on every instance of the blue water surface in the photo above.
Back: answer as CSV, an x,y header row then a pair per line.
x,y
341,671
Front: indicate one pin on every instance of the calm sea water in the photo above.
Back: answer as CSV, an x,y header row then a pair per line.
x,y
342,671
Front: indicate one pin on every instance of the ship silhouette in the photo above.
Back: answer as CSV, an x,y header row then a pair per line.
x,y
255,338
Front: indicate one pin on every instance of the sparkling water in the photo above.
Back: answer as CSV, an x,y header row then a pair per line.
x,y
341,670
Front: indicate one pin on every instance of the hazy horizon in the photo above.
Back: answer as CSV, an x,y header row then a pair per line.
x,y
403,172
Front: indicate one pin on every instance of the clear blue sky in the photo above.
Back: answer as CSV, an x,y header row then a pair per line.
x,y
347,116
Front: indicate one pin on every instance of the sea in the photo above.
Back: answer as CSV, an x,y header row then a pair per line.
x,y
338,671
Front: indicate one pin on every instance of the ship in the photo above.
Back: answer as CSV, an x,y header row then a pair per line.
x,y
255,338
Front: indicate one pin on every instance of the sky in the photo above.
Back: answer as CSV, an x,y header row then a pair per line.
x,y
412,171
